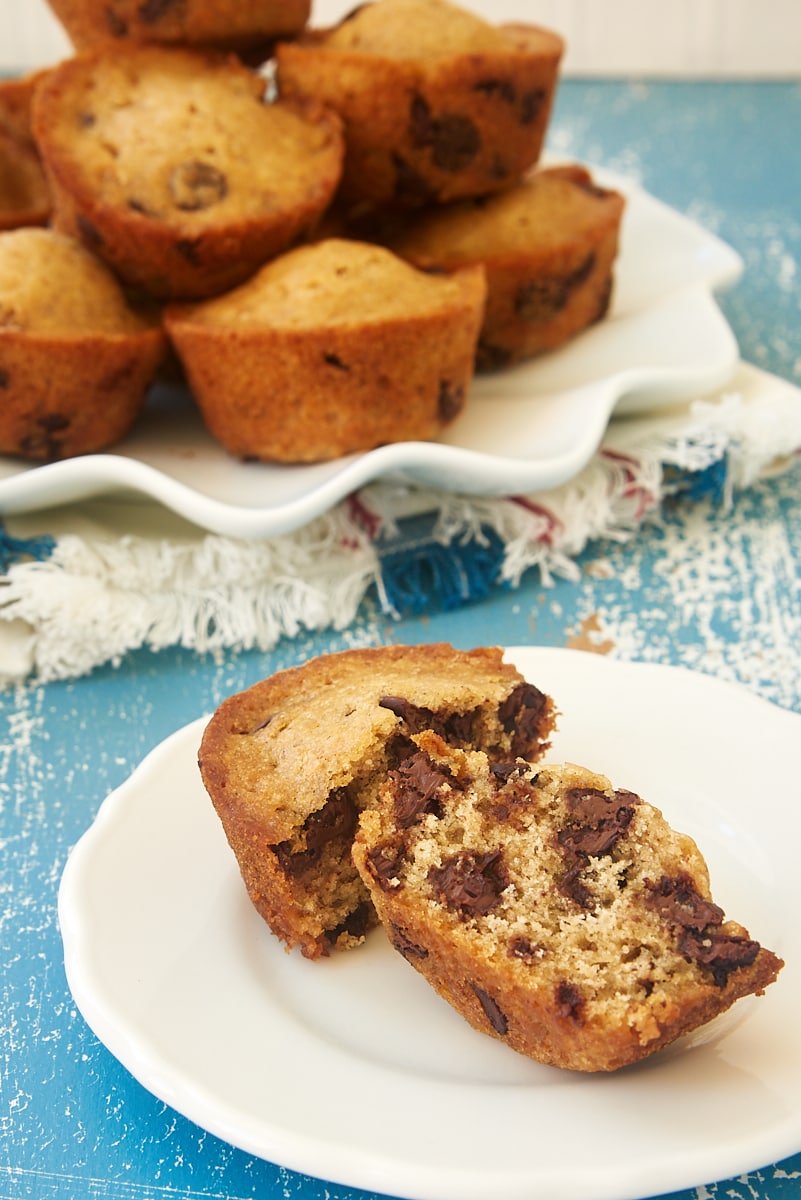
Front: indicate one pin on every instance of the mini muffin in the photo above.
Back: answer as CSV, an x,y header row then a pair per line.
x,y
552,910
24,192
548,246
170,165
248,27
75,358
437,103
334,347
289,763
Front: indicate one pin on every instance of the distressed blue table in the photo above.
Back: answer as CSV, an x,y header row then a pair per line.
x,y
714,591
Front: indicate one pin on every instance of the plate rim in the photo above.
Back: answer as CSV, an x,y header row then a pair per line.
x,y
772,1145
26,487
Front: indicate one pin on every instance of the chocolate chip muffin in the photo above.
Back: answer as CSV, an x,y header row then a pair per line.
x,y
170,165
75,358
437,103
333,348
248,27
552,910
548,246
290,762
24,193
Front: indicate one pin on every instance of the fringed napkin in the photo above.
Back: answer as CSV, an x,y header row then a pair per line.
x,y
85,584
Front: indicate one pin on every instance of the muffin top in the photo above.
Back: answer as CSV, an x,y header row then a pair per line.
x,y
50,285
181,137
335,282
416,29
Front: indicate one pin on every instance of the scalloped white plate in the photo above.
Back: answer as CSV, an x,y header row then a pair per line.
x,y
352,1069
522,431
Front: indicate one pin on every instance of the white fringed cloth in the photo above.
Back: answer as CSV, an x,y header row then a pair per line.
x,y
88,583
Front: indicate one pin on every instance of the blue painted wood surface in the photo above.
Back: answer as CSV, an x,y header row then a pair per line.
x,y
712,590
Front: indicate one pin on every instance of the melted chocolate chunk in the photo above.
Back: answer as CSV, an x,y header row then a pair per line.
x,y
469,883
521,714
492,1010
719,952
454,728
450,400
698,927
196,185
452,138
596,822
416,782
355,924
335,821
384,863
404,945
569,1001
678,902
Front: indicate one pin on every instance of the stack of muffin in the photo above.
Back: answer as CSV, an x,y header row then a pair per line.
x,y
332,229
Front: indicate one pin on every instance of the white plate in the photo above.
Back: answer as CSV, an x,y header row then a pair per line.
x,y
352,1069
524,430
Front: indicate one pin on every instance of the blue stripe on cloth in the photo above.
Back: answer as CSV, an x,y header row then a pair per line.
x,y
14,550
419,572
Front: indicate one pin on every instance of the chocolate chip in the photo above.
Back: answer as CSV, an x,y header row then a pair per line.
x,y
404,945
490,357
504,771
335,821
469,883
530,105
117,27
86,120
151,11
384,863
452,138
455,728
334,360
569,1001
417,782
196,185
410,187
526,950
719,952
492,1010
89,232
189,249
521,714
503,89
698,925
544,297
450,401
678,901
43,440
595,823
5,378
355,925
